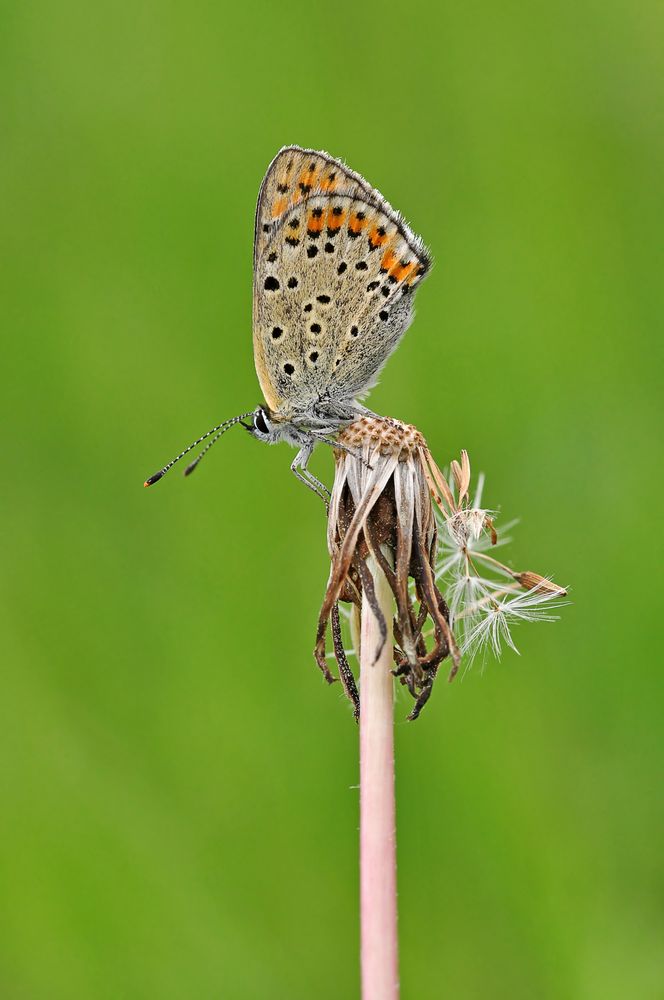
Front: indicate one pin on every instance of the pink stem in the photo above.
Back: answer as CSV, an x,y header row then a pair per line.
x,y
378,877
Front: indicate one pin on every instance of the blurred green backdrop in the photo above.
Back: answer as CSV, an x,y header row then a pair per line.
x,y
180,817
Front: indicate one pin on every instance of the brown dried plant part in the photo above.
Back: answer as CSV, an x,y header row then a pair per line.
x,y
345,672
533,581
381,507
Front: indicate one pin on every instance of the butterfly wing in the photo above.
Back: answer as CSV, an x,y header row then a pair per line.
x,y
335,268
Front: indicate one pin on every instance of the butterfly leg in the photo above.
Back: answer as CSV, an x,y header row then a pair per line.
x,y
334,443
299,469
312,483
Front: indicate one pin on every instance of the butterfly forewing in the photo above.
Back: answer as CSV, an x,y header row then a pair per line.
x,y
294,175
334,273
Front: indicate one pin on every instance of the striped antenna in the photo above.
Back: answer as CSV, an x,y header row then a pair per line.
x,y
192,465
218,431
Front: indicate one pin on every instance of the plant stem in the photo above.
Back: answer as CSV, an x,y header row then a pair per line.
x,y
378,883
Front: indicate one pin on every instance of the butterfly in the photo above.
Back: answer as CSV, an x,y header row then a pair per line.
x,y
335,271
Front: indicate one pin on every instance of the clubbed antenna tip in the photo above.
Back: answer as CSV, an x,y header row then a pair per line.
x,y
153,479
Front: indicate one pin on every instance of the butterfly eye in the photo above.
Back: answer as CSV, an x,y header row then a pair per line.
x,y
260,422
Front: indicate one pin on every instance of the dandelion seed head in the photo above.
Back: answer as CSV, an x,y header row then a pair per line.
x,y
453,597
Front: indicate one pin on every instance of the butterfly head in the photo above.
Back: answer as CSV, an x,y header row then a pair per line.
x,y
264,427
270,427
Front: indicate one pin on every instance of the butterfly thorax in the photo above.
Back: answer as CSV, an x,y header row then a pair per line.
x,y
304,427
319,418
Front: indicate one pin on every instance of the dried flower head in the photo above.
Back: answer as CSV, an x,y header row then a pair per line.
x,y
391,502
381,507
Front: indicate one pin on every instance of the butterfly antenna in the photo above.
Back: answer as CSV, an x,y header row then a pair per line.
x,y
192,465
218,431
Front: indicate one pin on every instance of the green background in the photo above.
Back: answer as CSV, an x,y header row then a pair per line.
x,y
179,810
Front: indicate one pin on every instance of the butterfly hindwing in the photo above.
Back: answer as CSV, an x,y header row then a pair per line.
x,y
333,283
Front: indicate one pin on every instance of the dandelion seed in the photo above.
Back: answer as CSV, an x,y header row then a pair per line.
x,y
498,614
